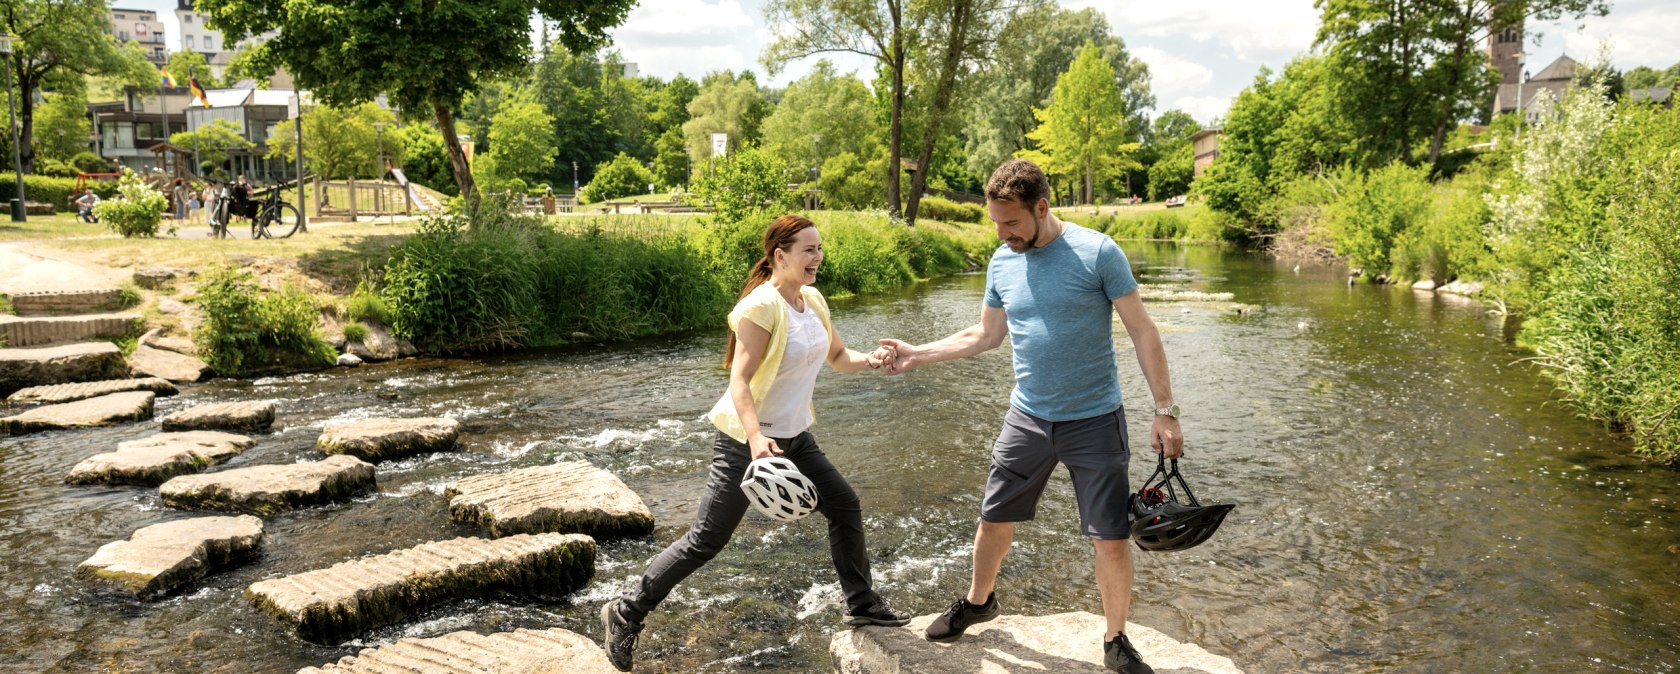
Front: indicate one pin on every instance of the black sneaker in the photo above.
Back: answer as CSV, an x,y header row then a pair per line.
x,y
618,636
1119,656
951,624
878,613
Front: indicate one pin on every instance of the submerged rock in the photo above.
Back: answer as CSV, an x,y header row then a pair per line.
x,y
102,411
248,415
1066,642
265,490
379,439
160,558
64,393
332,604
572,497
522,651
153,460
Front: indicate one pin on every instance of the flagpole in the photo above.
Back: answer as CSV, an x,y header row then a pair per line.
x,y
163,100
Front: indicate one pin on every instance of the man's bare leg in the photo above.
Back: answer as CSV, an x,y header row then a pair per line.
x,y
1114,579
991,543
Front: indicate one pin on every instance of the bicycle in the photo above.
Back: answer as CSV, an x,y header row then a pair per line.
x,y
276,215
219,212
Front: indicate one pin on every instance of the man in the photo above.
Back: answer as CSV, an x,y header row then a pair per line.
x,y
85,204
1051,292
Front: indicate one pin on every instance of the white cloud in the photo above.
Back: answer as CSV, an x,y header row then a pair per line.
x,y
1204,108
1253,31
1171,77
694,37
1639,32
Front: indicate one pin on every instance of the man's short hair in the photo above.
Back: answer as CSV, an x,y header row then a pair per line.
x,y
1018,180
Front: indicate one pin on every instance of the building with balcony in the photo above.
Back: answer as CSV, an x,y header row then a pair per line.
x,y
140,26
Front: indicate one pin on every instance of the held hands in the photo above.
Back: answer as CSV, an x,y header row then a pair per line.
x,y
901,356
1166,437
762,447
879,358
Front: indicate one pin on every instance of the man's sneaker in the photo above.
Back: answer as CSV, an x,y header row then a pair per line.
x,y
1119,656
878,613
618,636
951,624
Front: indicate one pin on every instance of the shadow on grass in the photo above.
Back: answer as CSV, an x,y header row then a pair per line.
x,y
342,266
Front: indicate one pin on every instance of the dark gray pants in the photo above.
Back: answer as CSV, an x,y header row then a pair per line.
x,y
722,506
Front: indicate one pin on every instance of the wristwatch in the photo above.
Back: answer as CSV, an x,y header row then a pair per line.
x,y
1168,411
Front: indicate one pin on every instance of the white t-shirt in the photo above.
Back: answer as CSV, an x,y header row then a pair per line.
x,y
786,411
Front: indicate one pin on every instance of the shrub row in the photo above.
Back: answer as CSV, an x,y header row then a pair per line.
x,y
50,190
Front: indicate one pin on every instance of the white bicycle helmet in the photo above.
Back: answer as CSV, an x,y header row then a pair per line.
x,y
779,490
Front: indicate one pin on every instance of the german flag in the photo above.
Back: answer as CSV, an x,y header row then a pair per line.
x,y
198,91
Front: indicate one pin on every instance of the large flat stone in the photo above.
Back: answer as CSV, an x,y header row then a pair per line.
x,y
178,367
571,497
39,330
522,651
248,415
102,411
378,439
64,393
90,361
156,339
332,604
160,558
152,460
265,490
1065,642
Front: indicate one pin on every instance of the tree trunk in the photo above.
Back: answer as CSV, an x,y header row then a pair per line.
x,y
961,13
1088,179
896,127
1444,118
26,123
457,157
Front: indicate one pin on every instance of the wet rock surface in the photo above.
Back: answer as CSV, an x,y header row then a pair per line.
x,y
571,497
162,557
378,439
248,415
153,460
104,410
265,490
64,393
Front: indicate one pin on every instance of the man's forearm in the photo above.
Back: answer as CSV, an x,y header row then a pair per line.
x,y
963,344
1152,357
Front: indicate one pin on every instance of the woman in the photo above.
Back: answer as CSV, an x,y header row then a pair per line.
x,y
781,334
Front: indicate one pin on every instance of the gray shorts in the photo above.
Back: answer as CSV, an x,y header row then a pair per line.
x,y
1096,452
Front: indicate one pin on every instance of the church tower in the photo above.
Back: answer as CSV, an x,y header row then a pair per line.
x,y
1504,51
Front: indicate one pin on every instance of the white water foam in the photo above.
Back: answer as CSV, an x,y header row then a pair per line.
x,y
818,599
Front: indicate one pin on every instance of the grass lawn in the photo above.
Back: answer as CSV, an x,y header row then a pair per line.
x,y
55,226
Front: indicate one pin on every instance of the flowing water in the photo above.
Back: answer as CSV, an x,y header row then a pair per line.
x,y
1412,497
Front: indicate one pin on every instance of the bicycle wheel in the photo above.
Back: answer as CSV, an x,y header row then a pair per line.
x,y
282,221
257,230
219,220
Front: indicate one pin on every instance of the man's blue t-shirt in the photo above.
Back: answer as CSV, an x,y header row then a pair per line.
x,y
1059,302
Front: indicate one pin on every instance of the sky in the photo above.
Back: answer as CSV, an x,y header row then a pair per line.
x,y
1201,53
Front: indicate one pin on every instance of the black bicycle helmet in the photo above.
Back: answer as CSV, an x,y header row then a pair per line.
x,y
1160,523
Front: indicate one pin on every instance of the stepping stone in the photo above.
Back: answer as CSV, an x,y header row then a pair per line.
x,y
177,367
1065,642
523,650
160,558
330,605
156,339
38,330
64,393
91,361
571,497
379,439
102,411
44,302
152,460
249,415
265,490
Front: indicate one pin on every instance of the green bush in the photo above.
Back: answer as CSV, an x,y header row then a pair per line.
x,y
56,169
367,305
355,331
88,162
248,330
745,183
50,190
945,210
616,179
135,211
1372,213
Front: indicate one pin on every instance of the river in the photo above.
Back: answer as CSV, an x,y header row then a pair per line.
x,y
1412,496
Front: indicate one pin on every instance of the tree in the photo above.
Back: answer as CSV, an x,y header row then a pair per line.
x,y
671,166
212,142
622,177
1172,173
821,114
1085,127
962,31
1410,69
424,160
743,183
1033,49
1172,127
59,41
522,137
340,142
187,63
873,28
62,129
425,55
720,107
1646,77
